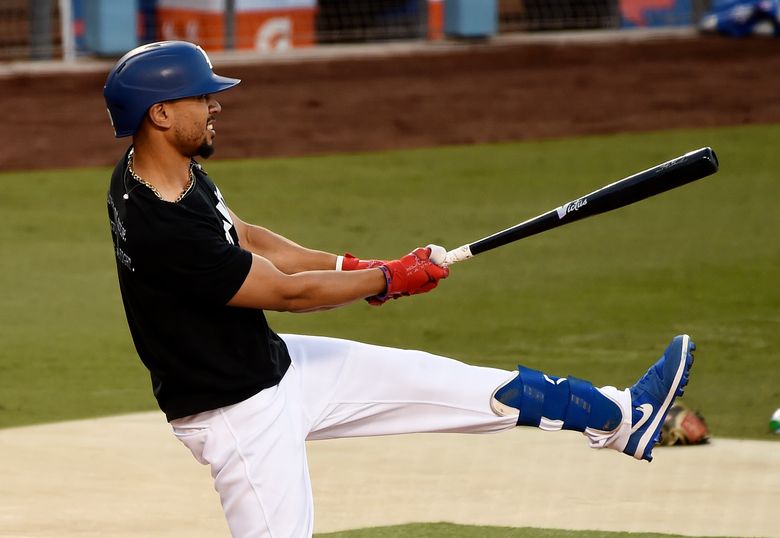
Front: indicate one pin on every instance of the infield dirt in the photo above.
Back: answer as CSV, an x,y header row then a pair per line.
x,y
478,94
128,476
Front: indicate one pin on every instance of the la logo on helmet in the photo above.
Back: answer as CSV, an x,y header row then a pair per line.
x,y
203,52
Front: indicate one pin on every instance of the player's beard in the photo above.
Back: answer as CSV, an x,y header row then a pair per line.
x,y
195,143
205,150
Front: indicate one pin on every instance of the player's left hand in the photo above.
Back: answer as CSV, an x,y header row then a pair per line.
x,y
412,274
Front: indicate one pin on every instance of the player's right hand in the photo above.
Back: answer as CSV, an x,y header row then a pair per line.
x,y
410,275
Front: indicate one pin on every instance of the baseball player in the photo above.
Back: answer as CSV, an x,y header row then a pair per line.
x,y
195,280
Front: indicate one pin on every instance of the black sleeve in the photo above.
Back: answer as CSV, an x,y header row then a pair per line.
x,y
194,261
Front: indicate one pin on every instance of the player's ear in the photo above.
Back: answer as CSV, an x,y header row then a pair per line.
x,y
160,115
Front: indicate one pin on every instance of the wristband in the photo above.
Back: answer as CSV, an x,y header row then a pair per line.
x,y
339,262
388,281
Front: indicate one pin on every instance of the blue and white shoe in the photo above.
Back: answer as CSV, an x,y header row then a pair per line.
x,y
654,393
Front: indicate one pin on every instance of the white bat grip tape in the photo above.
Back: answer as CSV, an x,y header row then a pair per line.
x,y
458,255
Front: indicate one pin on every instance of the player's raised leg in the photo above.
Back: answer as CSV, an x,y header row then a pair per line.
x,y
629,420
351,389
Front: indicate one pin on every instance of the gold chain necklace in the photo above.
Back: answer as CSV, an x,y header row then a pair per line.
x,y
151,187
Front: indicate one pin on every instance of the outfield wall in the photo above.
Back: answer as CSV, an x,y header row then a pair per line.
x,y
49,29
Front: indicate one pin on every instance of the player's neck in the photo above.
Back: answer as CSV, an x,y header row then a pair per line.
x,y
161,166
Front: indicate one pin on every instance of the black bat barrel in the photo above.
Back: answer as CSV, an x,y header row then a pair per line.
x,y
661,178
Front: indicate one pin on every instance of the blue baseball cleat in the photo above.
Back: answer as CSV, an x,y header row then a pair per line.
x,y
654,393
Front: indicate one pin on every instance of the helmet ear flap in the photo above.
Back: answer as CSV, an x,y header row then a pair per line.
x,y
111,119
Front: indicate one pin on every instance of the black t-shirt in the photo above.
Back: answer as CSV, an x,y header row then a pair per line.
x,y
178,265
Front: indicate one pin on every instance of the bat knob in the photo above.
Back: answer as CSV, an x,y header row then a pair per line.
x,y
438,254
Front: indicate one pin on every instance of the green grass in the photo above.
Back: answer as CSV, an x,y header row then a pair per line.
x,y
598,299
448,530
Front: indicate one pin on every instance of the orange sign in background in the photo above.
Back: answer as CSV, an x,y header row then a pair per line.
x,y
435,19
265,25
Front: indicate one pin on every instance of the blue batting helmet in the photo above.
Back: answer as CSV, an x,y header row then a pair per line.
x,y
154,73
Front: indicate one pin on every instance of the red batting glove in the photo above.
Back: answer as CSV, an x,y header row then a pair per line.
x,y
410,275
351,263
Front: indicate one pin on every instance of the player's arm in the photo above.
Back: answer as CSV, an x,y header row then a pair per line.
x,y
268,288
287,256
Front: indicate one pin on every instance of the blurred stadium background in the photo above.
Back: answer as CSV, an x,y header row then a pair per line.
x,y
48,29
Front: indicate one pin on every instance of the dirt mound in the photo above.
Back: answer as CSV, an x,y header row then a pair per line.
x,y
128,476
479,94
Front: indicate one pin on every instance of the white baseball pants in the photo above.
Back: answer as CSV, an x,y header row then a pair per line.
x,y
334,388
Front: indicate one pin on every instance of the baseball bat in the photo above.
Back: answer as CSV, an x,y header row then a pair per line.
x,y
660,178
